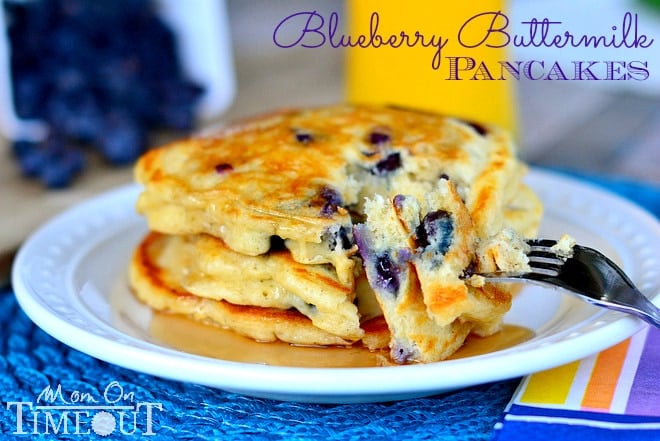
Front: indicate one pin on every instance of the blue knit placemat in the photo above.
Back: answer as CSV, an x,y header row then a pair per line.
x,y
31,360
33,366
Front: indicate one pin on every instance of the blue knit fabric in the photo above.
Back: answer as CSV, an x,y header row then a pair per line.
x,y
31,360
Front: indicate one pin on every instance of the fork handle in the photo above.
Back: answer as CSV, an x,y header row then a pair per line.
x,y
636,303
629,300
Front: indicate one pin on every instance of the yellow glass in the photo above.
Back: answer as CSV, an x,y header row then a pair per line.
x,y
405,75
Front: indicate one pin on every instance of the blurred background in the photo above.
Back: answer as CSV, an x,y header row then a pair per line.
x,y
611,128
604,128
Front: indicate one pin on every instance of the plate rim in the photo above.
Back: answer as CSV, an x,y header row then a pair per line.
x,y
275,381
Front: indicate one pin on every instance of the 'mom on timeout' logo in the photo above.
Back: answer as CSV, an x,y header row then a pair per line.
x,y
57,412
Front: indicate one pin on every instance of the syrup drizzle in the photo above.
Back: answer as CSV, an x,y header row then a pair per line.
x,y
184,334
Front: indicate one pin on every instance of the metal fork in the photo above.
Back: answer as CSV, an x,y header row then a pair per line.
x,y
588,274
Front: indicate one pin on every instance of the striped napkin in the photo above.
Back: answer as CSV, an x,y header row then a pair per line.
x,y
613,395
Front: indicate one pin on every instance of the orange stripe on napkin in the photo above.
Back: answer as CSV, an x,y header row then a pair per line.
x,y
604,377
551,386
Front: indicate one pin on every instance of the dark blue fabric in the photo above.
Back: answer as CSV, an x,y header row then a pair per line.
x,y
30,360
525,431
517,409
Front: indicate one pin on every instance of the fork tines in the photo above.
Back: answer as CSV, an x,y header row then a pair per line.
x,y
542,259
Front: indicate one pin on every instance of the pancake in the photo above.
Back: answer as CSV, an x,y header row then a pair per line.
x,y
204,266
416,254
154,279
387,250
303,175
300,218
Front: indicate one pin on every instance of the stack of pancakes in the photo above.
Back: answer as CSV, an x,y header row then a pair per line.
x,y
341,225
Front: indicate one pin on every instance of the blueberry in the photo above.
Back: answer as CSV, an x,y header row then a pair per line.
x,y
57,174
382,271
65,43
379,137
29,95
401,354
436,228
387,165
74,158
344,238
69,79
177,110
37,157
86,125
469,270
331,195
331,200
75,63
480,129
119,86
398,201
33,162
223,168
122,140
139,99
304,137
340,237
21,148
55,164
77,116
387,273
55,143
65,166
60,107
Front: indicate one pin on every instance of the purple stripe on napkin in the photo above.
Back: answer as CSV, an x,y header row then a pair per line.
x,y
644,396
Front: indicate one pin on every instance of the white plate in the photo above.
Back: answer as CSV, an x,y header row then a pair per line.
x,y
64,274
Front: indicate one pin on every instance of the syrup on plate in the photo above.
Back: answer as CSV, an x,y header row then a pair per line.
x,y
184,334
